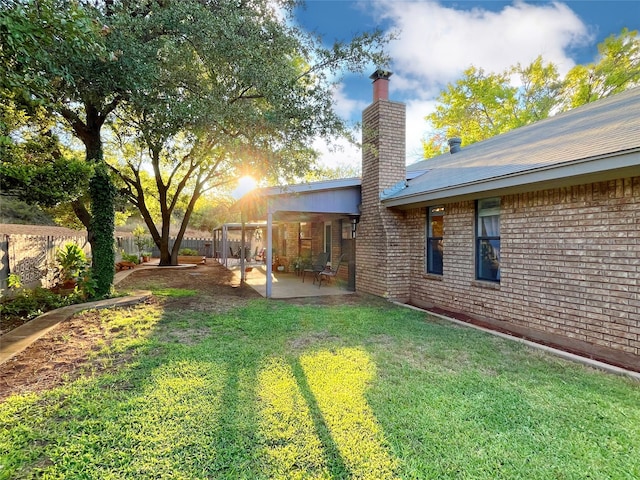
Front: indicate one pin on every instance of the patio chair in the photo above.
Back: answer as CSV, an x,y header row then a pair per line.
x,y
328,273
318,266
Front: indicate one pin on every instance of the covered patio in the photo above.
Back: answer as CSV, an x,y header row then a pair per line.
x,y
284,284
297,223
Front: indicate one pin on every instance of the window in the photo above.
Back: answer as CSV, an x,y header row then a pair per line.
x,y
488,239
327,239
435,228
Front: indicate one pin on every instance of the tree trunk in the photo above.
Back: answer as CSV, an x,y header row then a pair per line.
x,y
101,224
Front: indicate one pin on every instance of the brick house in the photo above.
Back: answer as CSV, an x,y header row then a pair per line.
x,y
535,232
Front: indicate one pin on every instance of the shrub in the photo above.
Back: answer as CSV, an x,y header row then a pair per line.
x,y
143,241
30,303
14,282
188,252
71,261
130,257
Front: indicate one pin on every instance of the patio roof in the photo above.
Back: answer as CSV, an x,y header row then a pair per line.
x,y
305,201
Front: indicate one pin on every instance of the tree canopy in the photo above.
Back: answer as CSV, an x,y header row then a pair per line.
x,y
482,104
193,92
238,91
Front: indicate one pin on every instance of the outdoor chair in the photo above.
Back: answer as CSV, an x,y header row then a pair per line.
x,y
261,255
318,266
328,273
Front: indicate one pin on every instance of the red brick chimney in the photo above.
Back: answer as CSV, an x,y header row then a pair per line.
x,y
380,84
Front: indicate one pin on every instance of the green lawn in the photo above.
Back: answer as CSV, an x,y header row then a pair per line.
x,y
274,390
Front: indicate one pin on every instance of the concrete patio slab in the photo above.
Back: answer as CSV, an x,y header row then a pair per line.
x,y
285,285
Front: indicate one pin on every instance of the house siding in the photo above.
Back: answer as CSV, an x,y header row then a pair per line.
x,y
570,268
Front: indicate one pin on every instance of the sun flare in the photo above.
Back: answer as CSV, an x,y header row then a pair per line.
x,y
245,185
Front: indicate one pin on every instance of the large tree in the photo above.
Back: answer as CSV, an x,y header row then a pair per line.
x,y
616,69
59,55
34,166
481,105
237,91
230,80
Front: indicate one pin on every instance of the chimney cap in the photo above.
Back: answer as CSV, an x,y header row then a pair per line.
x,y
378,74
454,144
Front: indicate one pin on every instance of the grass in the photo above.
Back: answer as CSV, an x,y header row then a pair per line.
x,y
273,390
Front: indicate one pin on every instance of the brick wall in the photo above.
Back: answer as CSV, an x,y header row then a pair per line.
x,y
382,245
570,268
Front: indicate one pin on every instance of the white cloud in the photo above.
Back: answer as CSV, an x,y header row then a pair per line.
x,y
436,43
416,111
340,153
345,106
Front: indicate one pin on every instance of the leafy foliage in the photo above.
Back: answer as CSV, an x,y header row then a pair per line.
x,y
481,105
131,257
245,94
19,212
71,260
142,240
34,166
102,226
617,69
30,303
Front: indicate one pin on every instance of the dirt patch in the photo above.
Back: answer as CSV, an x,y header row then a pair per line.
x,y
65,353
58,356
310,340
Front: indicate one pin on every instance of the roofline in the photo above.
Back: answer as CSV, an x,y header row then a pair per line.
x,y
620,164
311,186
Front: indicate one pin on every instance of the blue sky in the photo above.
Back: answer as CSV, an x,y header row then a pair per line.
x,y
438,40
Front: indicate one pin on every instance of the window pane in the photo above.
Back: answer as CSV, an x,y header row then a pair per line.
x,y
489,226
489,206
435,233
436,216
434,256
489,259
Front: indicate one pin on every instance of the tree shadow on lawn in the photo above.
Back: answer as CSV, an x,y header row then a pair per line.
x,y
186,398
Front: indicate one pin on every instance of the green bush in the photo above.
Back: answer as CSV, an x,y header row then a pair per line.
x,y
130,257
71,260
143,241
14,282
30,303
188,252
